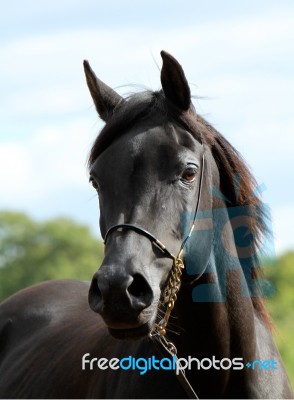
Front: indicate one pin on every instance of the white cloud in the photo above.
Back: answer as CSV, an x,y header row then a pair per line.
x,y
283,227
46,101
53,158
16,168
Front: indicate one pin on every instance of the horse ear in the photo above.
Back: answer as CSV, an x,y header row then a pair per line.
x,y
105,98
174,82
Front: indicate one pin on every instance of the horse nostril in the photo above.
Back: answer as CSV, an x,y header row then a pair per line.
x,y
140,291
119,292
95,296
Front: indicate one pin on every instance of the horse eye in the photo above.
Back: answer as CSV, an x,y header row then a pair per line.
x,y
93,182
189,174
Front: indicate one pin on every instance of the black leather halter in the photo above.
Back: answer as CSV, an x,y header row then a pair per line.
x,y
143,232
152,238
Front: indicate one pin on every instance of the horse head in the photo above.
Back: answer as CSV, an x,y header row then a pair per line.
x,y
146,166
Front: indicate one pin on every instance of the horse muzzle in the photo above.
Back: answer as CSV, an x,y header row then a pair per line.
x,y
124,300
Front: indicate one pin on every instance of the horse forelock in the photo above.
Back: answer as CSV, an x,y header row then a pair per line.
x,y
148,106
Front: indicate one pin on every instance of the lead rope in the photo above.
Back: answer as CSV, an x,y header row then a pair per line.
x,y
170,296
171,349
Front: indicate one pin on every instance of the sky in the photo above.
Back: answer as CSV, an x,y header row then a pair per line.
x,y
238,58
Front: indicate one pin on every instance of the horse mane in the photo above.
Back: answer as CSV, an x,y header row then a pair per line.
x,y
238,187
155,108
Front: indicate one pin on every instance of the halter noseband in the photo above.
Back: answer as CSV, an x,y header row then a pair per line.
x,y
173,285
143,232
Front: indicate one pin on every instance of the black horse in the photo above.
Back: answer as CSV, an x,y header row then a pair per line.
x,y
171,190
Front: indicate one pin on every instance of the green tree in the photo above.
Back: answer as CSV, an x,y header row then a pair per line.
x,y
281,307
32,251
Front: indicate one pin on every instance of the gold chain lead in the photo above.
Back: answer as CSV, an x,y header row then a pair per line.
x,y
170,293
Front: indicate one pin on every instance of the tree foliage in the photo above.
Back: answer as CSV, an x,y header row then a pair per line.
x,y
281,307
32,251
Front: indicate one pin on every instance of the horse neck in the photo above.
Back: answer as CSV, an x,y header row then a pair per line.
x,y
215,312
